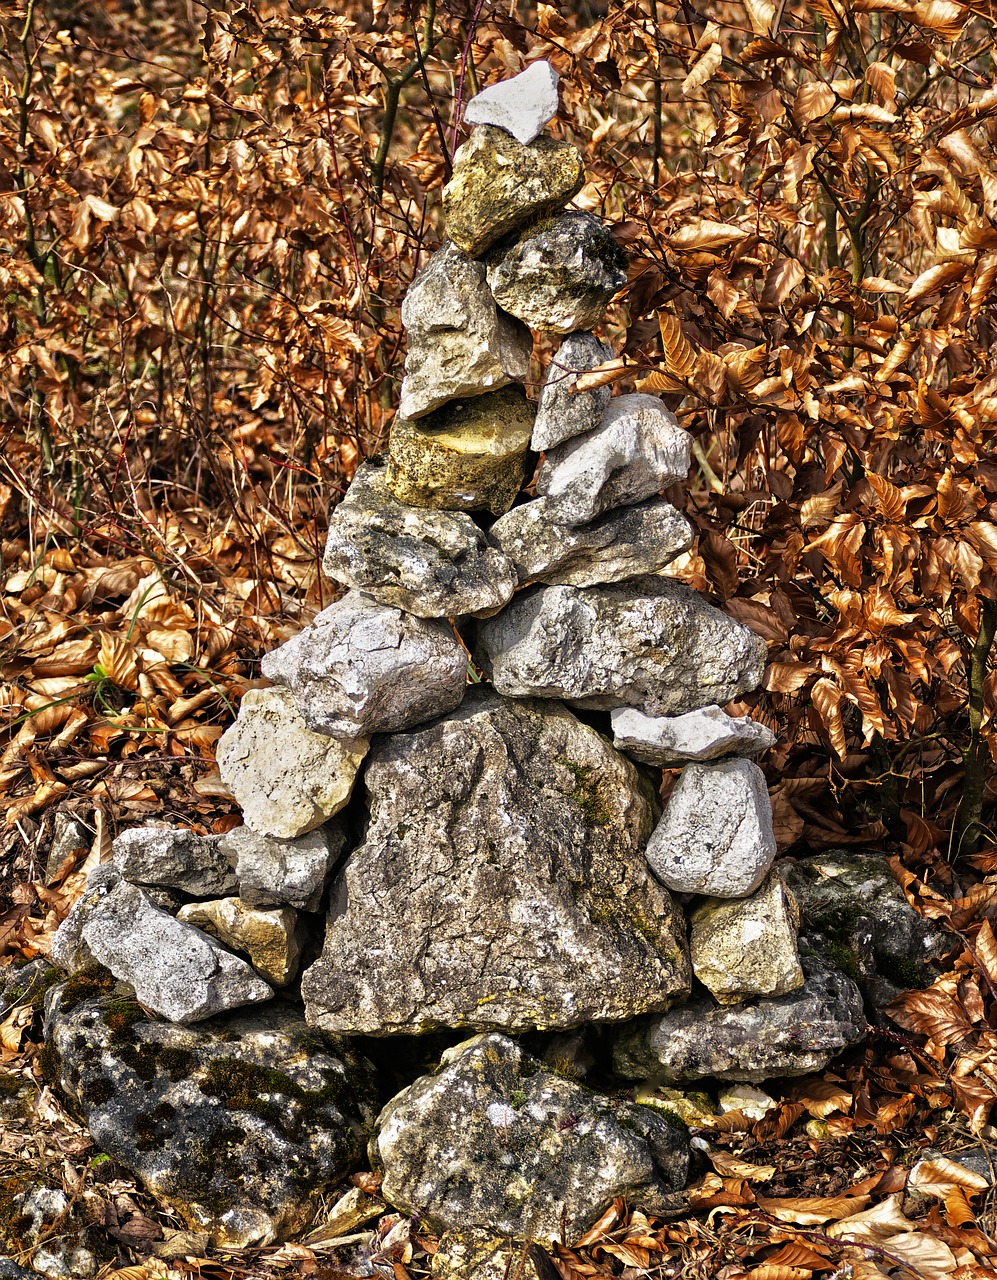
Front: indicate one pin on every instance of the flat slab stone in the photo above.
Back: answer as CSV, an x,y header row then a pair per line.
x,y
563,412
174,858
522,105
708,733
650,643
502,883
274,873
271,940
434,564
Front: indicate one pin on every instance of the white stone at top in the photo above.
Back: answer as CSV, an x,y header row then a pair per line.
x,y
521,106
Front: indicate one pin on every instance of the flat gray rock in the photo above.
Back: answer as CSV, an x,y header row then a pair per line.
x,y
649,643
707,733
174,858
522,105
494,1139
363,668
275,873
502,883
459,343
563,412
435,564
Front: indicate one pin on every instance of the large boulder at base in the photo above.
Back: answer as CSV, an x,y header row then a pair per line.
x,y
275,873
270,940
498,184
649,643
792,1035
493,1139
459,343
363,668
563,412
240,1124
705,734
435,564
502,883
521,105
174,858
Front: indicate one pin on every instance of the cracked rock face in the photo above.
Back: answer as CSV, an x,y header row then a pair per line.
x,y
521,105
173,858
502,883
495,1140
563,412
274,873
705,734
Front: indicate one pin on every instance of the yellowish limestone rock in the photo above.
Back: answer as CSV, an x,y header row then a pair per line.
x,y
268,938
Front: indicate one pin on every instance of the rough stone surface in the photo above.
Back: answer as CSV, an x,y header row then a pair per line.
x,y
69,833
53,1231
521,105
478,1253
559,275
705,734
174,858
746,947
649,643
563,412
621,544
363,668
790,1036
274,873
270,939
175,969
494,1140
502,883
469,456
434,564
240,1124
498,185
459,343
636,451
287,779
716,835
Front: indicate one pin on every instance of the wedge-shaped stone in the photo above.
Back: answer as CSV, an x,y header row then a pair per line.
x,y
274,873
705,734
270,939
174,858
521,105
563,412
502,883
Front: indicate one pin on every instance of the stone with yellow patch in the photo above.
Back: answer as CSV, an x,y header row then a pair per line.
x,y
269,938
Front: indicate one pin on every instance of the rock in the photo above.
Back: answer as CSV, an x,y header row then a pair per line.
x,y
174,858
435,564
621,544
747,947
716,835
694,1108
287,779
477,1253
502,883
181,1244
558,275
704,734
350,1211
239,1124
459,343
494,1140
10,1270
176,970
793,1035
563,412
69,834
469,456
363,668
521,106
271,939
649,643
637,450
751,1102
273,873
498,184
47,1225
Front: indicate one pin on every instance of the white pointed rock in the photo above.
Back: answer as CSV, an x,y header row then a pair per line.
x,y
704,734
521,106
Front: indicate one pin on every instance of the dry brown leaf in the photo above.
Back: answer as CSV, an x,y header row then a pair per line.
x,y
939,1176
812,1211
704,70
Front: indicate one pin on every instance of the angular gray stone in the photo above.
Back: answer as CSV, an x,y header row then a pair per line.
x,y
793,1035
69,833
563,412
495,1140
363,668
559,275
636,451
704,734
274,873
435,564
459,343
174,858
502,883
621,544
270,940
176,970
716,834
521,105
650,643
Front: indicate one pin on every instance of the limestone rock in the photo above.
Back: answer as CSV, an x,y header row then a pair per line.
x,y
239,1124
434,564
273,873
271,939
175,969
363,668
459,343
69,833
287,779
563,412
559,275
793,1035
478,1253
498,184
746,947
494,1140
502,883
621,544
704,734
650,643
174,858
43,1223
521,106
716,835
637,450
469,456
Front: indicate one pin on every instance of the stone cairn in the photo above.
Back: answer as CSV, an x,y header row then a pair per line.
x,y
508,869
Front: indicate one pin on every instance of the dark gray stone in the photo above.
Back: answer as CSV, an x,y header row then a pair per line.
x,y
174,858
563,412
